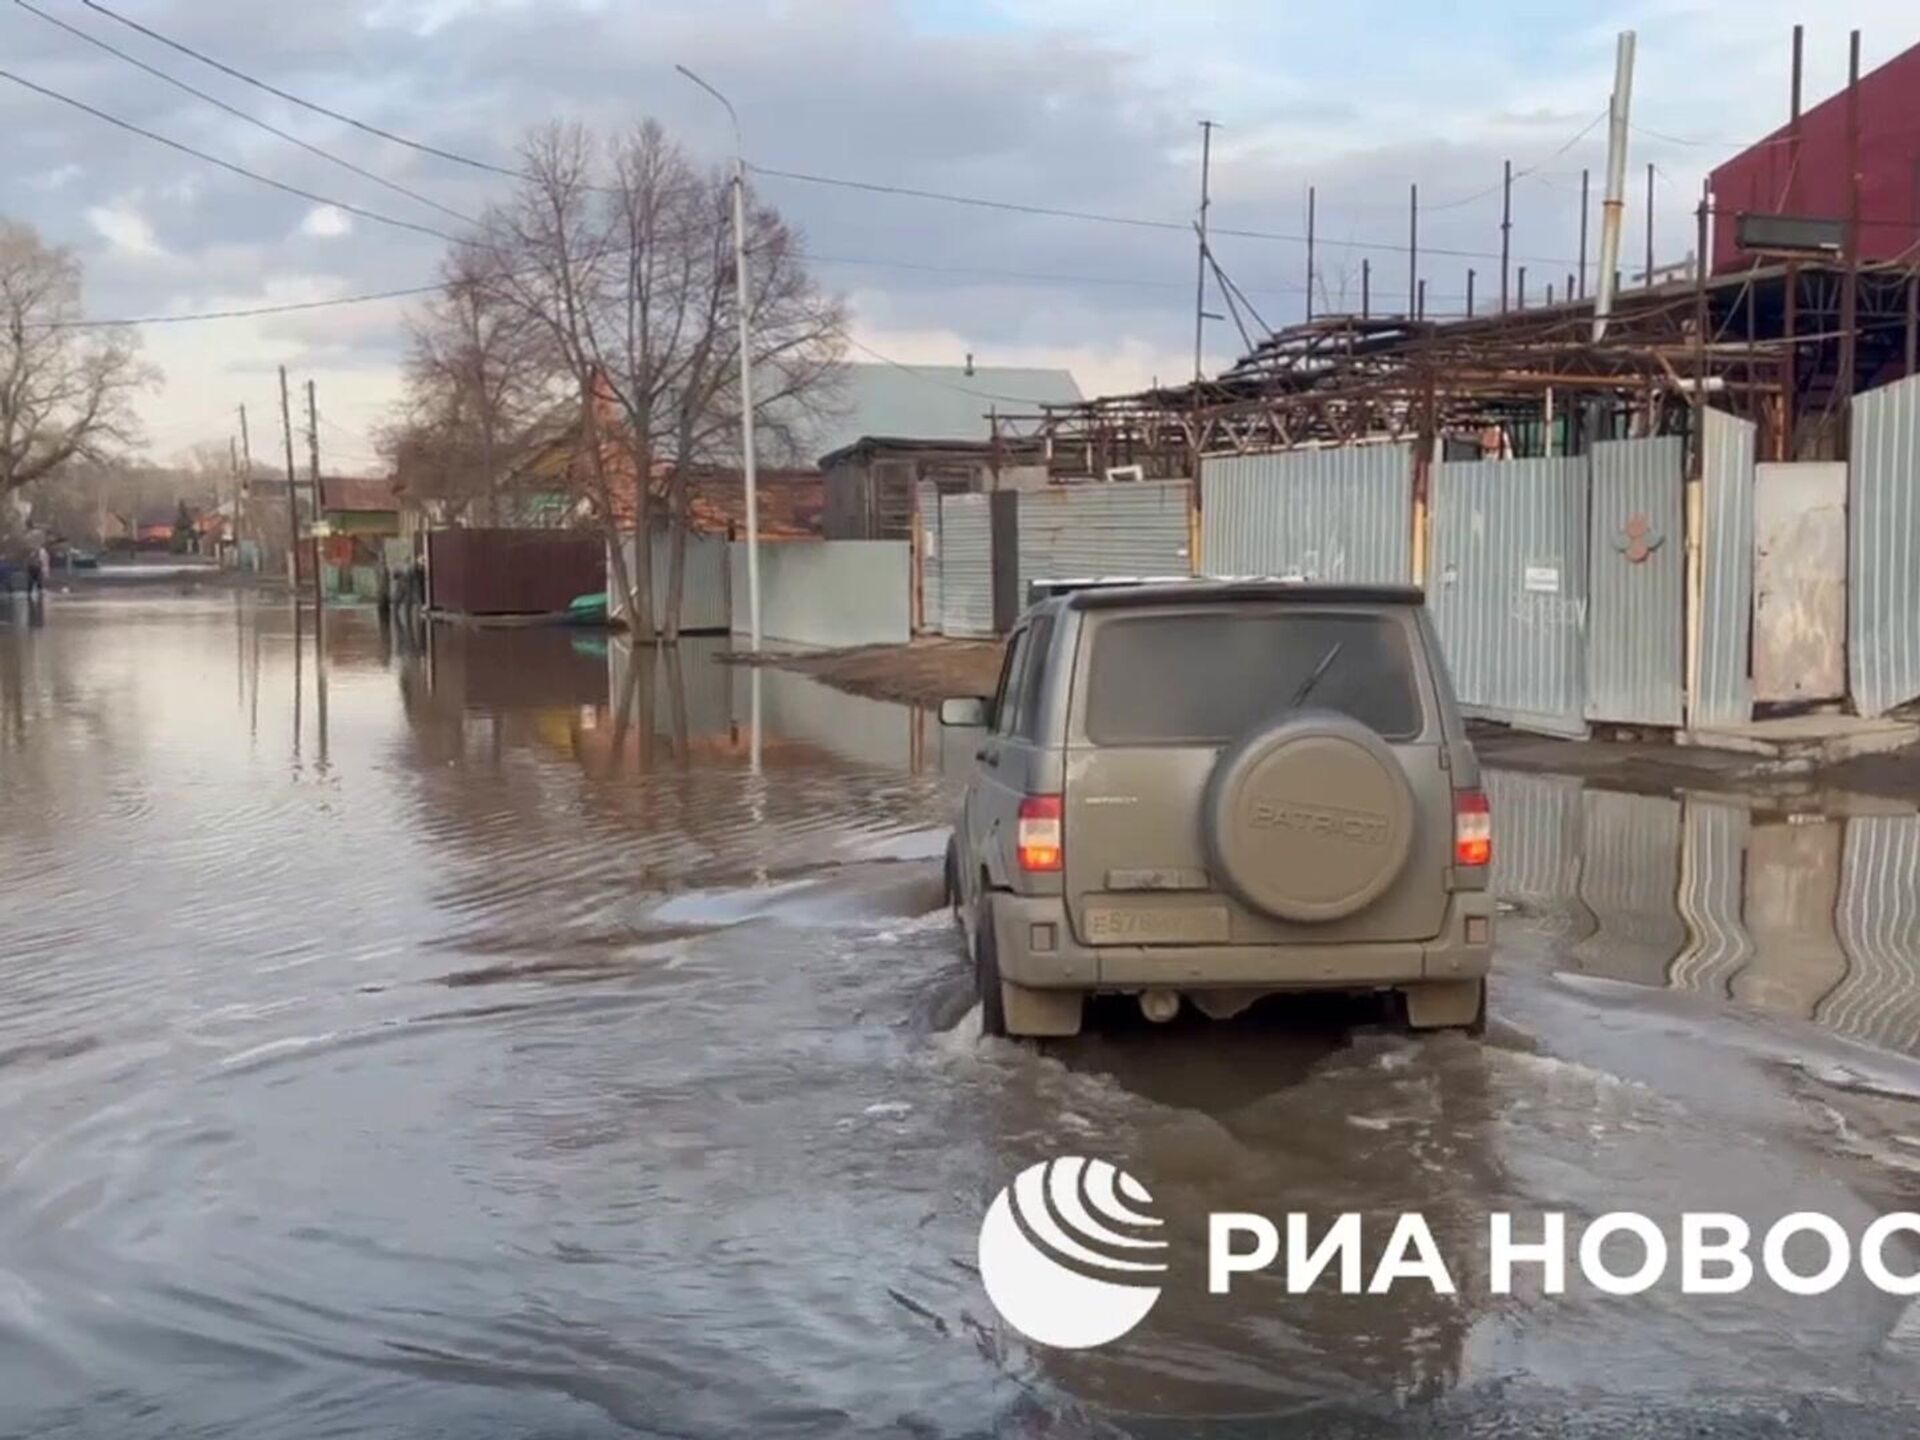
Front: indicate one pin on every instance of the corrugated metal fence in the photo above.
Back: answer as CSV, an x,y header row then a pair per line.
x,y
1636,619
929,509
1079,532
1883,625
966,566
705,592
1721,692
1507,586
1332,514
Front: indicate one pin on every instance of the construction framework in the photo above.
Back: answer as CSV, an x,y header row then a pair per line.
x,y
1771,344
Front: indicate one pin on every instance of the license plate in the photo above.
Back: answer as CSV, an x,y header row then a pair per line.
x,y
1156,924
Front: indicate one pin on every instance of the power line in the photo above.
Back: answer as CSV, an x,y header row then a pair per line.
x,y
240,114
972,200
228,165
243,313
1139,222
292,99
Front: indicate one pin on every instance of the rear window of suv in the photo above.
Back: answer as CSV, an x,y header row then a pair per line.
x,y
1204,677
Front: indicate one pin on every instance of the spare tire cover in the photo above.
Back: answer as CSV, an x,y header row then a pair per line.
x,y
1309,819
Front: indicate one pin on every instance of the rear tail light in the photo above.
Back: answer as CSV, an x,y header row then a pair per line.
x,y
1472,828
1038,838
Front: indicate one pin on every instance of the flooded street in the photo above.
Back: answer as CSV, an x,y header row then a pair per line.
x,y
461,1036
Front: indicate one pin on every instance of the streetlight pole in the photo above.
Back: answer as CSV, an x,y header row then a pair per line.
x,y
751,478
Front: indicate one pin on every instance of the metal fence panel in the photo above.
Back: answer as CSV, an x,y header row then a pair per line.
x,y
929,496
1080,532
1799,581
512,572
1332,514
831,593
966,566
1635,583
1720,692
1883,630
1507,585
705,587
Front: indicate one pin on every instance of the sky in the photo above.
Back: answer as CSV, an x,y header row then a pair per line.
x,y
1067,104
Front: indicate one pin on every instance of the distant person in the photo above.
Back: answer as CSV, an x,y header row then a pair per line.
x,y
38,564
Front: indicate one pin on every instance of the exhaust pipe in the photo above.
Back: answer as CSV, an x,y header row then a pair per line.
x,y
1159,1006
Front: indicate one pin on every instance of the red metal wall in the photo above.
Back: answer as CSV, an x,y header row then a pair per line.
x,y
513,572
1757,180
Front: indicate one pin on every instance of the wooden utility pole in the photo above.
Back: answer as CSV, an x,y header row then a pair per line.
x,y
313,475
233,471
246,461
293,500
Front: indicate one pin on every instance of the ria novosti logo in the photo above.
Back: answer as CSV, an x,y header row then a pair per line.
x,y
1067,1256
1071,1258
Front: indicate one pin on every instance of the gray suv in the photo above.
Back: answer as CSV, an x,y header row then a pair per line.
x,y
1212,791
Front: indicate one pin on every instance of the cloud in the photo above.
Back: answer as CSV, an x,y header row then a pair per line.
x,y
1075,104
125,229
327,222
57,178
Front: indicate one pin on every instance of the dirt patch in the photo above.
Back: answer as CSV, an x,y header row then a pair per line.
x,y
923,673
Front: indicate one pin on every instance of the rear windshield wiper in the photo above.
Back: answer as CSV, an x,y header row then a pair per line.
x,y
1306,685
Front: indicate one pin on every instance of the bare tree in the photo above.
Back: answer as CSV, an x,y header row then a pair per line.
x,y
621,255
65,393
477,377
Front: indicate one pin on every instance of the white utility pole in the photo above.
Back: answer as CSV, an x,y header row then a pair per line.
x,y
1614,206
746,360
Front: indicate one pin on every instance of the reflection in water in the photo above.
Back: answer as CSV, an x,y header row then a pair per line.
x,y
540,1065
1801,914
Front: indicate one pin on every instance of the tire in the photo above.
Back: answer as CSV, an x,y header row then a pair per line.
x,y
986,974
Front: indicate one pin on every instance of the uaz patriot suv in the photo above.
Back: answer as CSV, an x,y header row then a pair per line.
x,y
1212,791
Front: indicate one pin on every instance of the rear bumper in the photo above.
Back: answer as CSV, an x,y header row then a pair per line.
x,y
1037,949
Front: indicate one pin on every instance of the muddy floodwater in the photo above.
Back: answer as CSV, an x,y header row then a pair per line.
x,y
461,1035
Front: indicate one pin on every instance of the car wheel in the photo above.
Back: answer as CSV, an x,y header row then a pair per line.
x,y
986,974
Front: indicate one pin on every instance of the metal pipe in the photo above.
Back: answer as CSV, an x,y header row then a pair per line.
x,y
750,472
1850,281
1793,121
1413,248
1310,210
1913,318
1506,230
1520,291
1649,276
1420,301
1200,279
1366,288
1586,207
1469,294
1614,206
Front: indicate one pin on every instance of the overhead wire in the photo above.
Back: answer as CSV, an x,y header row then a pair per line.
x,y
242,115
421,146
309,195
